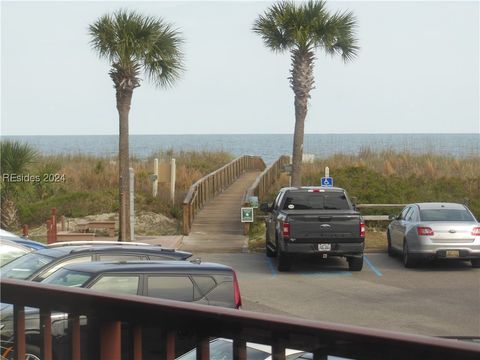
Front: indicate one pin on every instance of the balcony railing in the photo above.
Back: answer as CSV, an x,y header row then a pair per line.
x,y
112,312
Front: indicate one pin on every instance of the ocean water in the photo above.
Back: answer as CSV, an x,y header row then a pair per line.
x,y
268,146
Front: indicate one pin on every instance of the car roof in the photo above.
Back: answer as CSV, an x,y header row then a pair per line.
x,y
97,267
302,188
440,205
95,243
144,249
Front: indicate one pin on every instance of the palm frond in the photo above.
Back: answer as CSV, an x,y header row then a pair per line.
x,y
130,41
339,37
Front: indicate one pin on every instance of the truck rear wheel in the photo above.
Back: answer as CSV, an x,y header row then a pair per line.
x,y
284,262
268,250
355,263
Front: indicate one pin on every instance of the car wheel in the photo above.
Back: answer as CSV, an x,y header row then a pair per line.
x,y
355,263
475,263
268,250
389,245
406,257
284,262
32,352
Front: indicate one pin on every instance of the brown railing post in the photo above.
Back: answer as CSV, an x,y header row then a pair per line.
x,y
239,350
278,352
19,329
46,334
74,322
203,348
137,342
170,345
110,341
25,231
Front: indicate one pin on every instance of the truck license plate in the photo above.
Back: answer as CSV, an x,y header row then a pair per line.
x,y
324,247
453,253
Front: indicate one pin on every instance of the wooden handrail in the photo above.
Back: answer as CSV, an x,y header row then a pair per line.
x,y
168,317
212,184
266,179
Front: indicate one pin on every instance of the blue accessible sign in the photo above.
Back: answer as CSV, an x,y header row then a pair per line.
x,y
327,181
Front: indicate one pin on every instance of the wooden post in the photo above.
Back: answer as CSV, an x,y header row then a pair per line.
x,y
137,342
110,341
173,170
19,331
155,178
49,232
25,231
46,334
54,225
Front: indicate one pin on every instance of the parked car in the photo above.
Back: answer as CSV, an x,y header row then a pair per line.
x,y
203,283
10,251
37,265
314,220
222,349
425,231
34,245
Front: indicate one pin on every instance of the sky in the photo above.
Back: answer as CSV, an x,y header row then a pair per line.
x,y
417,71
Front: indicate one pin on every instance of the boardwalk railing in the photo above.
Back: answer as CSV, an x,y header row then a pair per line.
x,y
378,206
214,183
117,315
265,180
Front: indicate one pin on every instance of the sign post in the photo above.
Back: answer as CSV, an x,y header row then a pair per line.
x,y
327,180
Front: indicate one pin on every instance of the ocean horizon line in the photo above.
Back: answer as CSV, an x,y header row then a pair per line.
x,y
252,134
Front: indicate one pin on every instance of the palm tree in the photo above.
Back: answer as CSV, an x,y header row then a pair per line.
x,y
14,160
301,29
134,43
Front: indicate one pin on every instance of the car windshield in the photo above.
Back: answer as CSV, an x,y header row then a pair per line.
x,y
67,277
25,266
445,215
222,350
316,201
9,253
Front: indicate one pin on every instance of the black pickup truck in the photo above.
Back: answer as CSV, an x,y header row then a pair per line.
x,y
314,220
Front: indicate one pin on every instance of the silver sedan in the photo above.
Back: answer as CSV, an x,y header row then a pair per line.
x,y
435,230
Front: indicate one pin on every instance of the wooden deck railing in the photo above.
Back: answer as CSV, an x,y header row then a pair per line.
x,y
265,180
214,183
112,314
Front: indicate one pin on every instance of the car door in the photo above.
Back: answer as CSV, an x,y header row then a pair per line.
x,y
397,228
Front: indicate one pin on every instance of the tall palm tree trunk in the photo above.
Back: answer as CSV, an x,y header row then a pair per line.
x,y
124,99
301,82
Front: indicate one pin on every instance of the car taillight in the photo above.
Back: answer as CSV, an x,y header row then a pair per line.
x,y
236,292
362,229
424,231
286,230
476,231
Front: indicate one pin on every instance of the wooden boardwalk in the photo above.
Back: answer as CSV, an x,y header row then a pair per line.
x,y
217,226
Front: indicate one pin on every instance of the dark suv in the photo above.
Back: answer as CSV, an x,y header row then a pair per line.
x,y
37,265
203,283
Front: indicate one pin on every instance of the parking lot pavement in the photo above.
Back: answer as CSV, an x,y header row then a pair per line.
x,y
441,299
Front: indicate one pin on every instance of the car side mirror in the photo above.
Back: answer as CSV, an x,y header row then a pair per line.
x,y
393,217
265,207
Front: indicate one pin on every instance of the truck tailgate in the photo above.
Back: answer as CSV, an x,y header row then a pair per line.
x,y
329,227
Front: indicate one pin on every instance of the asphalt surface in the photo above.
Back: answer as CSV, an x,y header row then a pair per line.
x,y
438,299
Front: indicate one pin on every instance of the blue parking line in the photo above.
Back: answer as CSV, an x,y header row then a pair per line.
x,y
328,274
272,267
372,267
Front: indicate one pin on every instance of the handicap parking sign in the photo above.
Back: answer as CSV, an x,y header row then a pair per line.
x,y
327,181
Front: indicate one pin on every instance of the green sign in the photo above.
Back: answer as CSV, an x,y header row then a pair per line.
x,y
247,214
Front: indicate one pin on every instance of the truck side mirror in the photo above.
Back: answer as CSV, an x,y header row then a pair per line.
x,y
265,207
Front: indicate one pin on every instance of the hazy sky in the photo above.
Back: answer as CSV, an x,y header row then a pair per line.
x,y
417,71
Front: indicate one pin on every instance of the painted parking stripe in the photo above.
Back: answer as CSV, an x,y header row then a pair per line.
x,y
372,267
272,267
328,274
